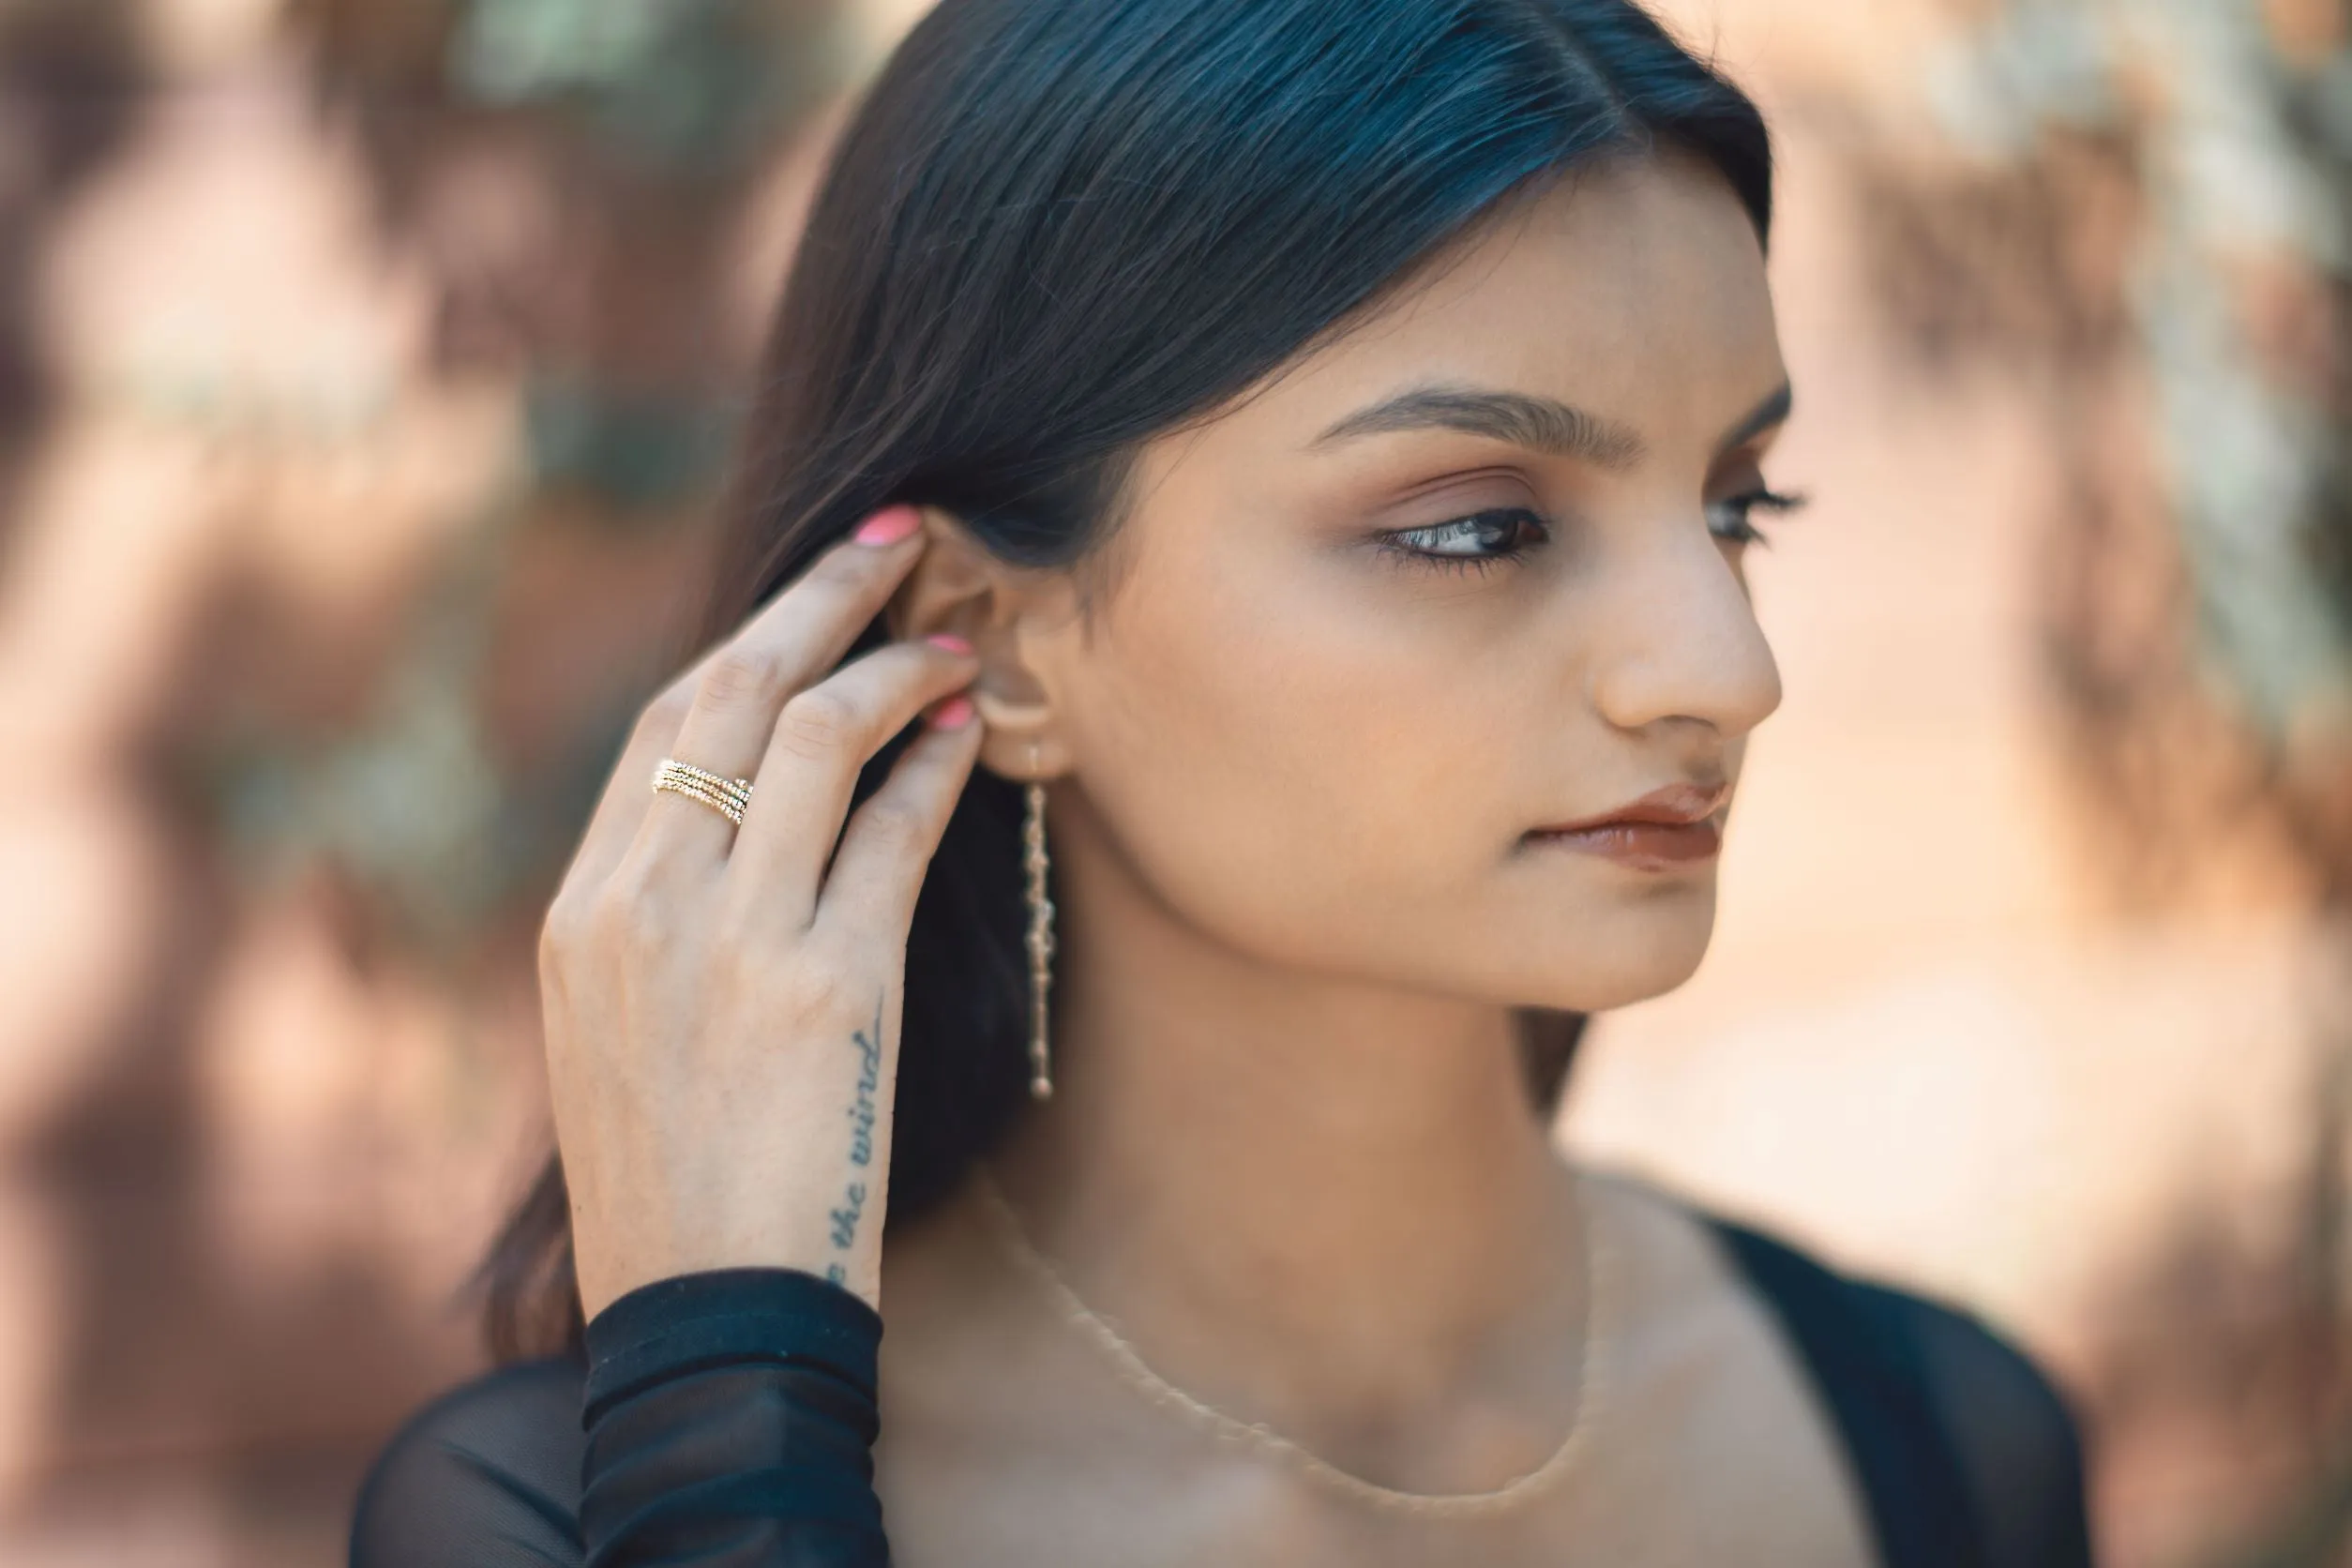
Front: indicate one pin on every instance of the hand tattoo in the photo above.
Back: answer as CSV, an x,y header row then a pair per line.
x,y
861,1117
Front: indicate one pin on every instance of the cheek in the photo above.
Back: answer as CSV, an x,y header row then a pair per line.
x,y
1308,764
1289,769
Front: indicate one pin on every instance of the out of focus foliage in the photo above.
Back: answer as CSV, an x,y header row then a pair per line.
x,y
2153,206
2149,212
697,87
2245,161
576,181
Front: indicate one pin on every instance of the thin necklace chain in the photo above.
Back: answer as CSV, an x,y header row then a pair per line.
x,y
1595,1321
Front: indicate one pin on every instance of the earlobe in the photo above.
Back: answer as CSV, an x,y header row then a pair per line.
x,y
1018,739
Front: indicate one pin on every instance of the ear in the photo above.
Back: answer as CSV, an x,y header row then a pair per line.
x,y
959,588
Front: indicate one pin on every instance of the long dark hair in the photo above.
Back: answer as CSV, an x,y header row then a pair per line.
x,y
1057,228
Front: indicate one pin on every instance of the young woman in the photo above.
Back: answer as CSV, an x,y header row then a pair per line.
x,y
1272,475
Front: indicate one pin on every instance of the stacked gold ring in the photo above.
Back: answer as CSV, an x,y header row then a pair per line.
x,y
726,795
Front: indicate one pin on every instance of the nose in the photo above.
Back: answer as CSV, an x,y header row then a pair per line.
x,y
1683,643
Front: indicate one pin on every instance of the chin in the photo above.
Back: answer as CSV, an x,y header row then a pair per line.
x,y
1630,958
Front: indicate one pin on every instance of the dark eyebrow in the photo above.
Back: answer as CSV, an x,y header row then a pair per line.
x,y
1772,410
1540,424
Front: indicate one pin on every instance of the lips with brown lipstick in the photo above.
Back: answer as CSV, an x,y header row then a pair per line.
x,y
1665,830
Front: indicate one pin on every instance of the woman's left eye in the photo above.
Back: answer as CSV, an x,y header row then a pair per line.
x,y
1732,520
1477,542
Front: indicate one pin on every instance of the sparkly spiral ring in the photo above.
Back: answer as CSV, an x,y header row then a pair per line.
x,y
728,796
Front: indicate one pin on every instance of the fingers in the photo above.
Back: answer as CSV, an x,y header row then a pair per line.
x,y
820,741
745,682
887,848
627,790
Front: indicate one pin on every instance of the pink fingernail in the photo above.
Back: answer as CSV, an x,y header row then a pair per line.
x,y
888,526
948,640
954,714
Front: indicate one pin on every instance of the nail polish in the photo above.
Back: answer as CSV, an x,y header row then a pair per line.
x,y
889,525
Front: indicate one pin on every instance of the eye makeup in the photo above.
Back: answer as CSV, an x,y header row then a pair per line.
x,y
1498,536
1479,541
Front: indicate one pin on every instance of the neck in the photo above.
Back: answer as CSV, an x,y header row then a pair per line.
x,y
1310,1200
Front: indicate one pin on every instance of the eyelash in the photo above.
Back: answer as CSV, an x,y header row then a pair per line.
x,y
1744,506
1395,543
1741,530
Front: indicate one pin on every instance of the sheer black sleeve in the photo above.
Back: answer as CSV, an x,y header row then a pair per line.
x,y
485,1476
723,1419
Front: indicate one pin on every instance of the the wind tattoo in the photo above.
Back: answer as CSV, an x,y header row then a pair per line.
x,y
852,1208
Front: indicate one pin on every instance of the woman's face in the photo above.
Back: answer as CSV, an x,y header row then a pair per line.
x,y
1472,572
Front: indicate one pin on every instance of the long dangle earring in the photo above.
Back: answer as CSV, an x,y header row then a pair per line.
x,y
1040,938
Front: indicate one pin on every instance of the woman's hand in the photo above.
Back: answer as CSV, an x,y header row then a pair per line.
x,y
722,1006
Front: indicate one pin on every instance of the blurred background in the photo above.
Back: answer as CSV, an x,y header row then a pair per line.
x,y
366,368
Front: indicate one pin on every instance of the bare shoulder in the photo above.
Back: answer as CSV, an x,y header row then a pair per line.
x,y
1677,1299
1663,1239
1995,1434
1673,1267
1706,1395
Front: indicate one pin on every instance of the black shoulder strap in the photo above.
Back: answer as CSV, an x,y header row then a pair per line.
x,y
1870,1380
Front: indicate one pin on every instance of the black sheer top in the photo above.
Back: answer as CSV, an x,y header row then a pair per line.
x,y
727,1417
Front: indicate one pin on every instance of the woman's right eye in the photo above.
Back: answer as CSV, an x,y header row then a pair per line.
x,y
1479,541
